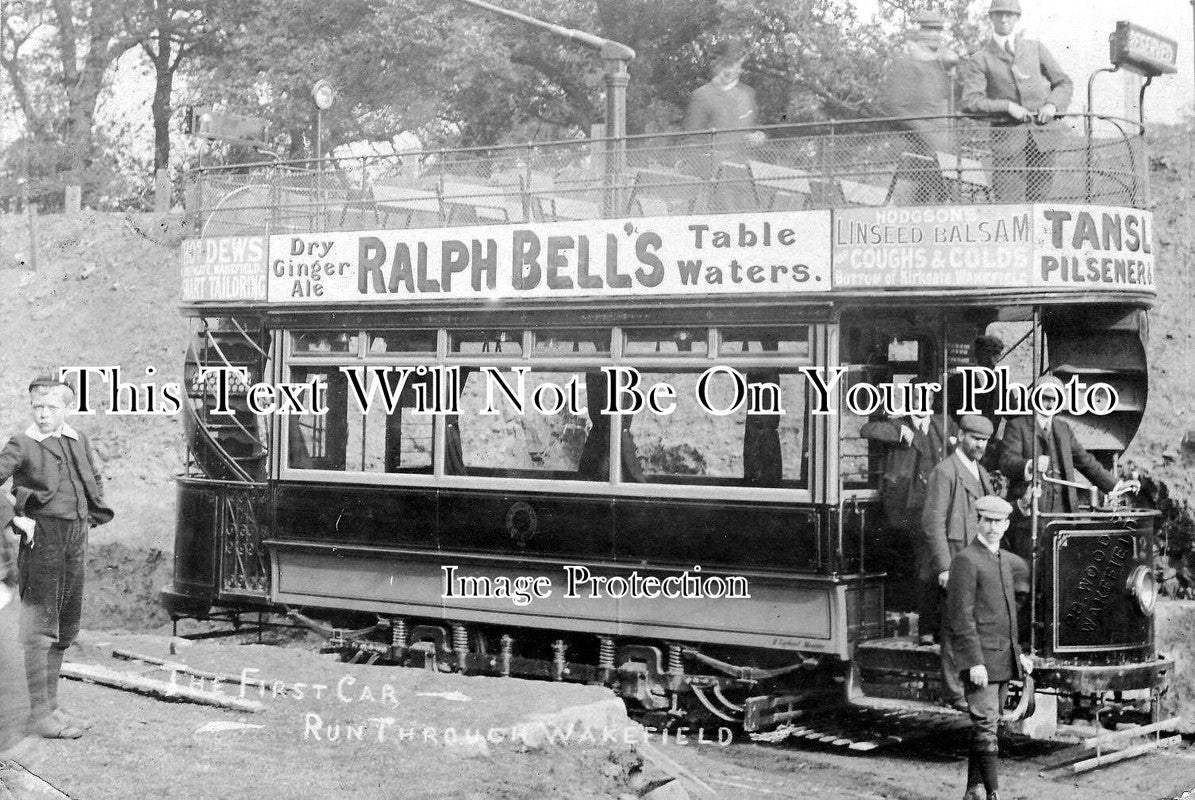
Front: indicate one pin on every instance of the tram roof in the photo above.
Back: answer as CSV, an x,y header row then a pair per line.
x,y
888,208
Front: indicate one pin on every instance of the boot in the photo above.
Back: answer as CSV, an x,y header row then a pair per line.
x,y
974,792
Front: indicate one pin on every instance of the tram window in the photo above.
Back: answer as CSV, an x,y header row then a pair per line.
x,y
404,341
320,441
347,440
324,342
564,343
396,442
860,461
694,446
495,343
527,444
666,341
793,342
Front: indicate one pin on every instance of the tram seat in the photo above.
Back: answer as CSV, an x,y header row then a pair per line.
x,y
965,177
481,203
561,207
780,188
406,207
940,178
680,192
856,193
734,188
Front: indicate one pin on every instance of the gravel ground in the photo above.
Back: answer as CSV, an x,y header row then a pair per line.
x,y
300,745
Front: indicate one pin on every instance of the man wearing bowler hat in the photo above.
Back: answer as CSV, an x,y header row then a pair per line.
x,y
1019,82
949,522
981,623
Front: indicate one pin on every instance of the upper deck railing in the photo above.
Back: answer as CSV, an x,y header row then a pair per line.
x,y
859,163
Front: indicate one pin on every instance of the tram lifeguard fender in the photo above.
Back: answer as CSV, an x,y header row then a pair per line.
x,y
1174,622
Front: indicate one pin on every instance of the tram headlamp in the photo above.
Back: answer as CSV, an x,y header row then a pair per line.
x,y
1144,589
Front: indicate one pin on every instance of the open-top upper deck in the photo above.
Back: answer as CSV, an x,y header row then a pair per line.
x,y
895,207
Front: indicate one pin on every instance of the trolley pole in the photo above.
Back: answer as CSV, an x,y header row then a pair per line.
x,y
615,57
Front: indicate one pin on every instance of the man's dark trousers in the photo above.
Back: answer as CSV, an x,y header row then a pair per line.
x,y
52,604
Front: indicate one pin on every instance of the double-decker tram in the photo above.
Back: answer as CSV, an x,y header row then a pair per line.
x,y
585,412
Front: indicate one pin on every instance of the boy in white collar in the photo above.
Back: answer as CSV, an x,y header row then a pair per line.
x,y
57,484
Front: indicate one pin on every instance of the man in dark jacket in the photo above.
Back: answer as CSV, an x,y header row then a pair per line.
x,y
949,522
57,483
1058,453
981,621
1018,80
916,443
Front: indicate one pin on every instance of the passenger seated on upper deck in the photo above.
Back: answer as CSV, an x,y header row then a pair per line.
x,y
918,84
1018,80
725,103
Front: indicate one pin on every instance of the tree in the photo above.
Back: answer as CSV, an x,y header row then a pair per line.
x,y
169,31
57,87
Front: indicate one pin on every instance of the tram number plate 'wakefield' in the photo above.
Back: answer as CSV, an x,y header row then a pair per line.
x,y
1093,609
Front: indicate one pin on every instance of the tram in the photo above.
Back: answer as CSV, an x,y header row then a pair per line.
x,y
551,410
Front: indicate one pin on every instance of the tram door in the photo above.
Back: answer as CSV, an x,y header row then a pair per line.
x,y
881,347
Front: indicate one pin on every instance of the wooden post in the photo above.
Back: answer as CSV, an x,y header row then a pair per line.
x,y
72,202
162,192
31,215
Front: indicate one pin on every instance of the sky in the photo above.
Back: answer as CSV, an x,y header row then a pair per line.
x,y
1076,32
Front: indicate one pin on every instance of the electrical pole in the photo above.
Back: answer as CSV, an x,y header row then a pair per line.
x,y
615,57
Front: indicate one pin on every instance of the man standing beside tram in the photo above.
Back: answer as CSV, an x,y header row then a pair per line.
x,y
949,523
1019,82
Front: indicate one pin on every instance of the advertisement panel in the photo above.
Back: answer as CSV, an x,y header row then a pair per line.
x,y
224,268
933,247
1085,248
674,256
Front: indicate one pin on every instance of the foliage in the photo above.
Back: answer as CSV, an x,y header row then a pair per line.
x,y
454,74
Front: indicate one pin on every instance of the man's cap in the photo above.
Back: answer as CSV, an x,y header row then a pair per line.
x,y
989,344
992,507
48,380
1006,6
973,423
1050,380
930,19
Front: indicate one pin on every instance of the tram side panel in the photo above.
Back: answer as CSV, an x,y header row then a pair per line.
x,y
722,550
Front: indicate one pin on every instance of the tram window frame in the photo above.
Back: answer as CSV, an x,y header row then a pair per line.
x,y
618,484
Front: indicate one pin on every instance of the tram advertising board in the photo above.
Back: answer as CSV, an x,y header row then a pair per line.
x,y
724,254
1084,247
922,247
224,268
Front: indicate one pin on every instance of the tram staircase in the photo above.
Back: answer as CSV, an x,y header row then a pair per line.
x,y
232,446
1108,346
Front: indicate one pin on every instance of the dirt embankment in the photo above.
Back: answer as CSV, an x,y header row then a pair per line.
x,y
105,293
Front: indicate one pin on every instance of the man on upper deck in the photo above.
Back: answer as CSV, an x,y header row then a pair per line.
x,y
1019,81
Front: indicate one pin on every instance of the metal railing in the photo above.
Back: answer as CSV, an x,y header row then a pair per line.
x,y
877,162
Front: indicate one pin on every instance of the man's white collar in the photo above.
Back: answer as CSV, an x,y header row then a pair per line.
x,y
66,430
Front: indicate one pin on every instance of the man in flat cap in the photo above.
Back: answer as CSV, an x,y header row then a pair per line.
x,y
1058,453
981,623
949,522
1018,80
